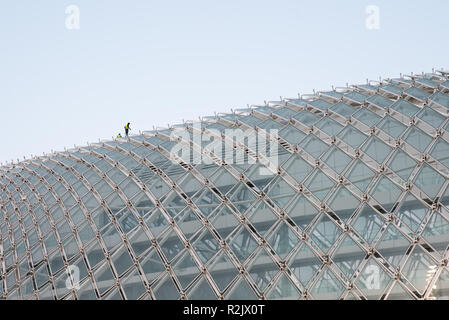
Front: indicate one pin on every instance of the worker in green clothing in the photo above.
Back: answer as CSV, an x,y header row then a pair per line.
x,y
119,135
127,128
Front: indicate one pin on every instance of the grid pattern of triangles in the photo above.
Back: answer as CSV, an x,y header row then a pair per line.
x,y
358,207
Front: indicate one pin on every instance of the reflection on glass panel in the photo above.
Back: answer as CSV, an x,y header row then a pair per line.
x,y
391,126
402,164
329,126
328,287
417,139
202,291
325,233
352,136
348,257
386,193
319,184
412,212
367,117
262,269
343,203
393,245
360,175
368,223
376,149
405,107
222,270
419,269
336,159
440,151
284,289
429,181
432,117
314,146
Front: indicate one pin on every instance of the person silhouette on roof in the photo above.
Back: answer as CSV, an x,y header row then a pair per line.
x,y
127,128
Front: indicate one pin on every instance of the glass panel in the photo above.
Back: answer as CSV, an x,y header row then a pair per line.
x,y
380,101
386,193
402,164
429,181
441,99
392,89
419,269
319,184
360,175
152,266
325,233
373,280
242,291
440,151
417,93
242,244
284,289
262,217
356,97
368,223
348,257
242,198
314,146
405,107
297,168
133,286
280,192
436,232
411,212
304,264
417,139
367,117
188,222
329,126
352,136
343,203
166,290
185,269
121,260
432,117
320,104
328,287
391,126
202,291
104,278
262,269
205,245
301,211
171,245
336,159
222,270
376,149
393,245
291,135
343,109
307,118
283,240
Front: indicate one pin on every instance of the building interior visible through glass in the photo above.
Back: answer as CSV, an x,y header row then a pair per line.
x,y
356,207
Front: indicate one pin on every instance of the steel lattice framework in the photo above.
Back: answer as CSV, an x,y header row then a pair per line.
x,y
357,208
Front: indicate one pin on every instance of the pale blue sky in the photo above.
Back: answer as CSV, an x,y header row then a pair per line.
x,y
154,63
